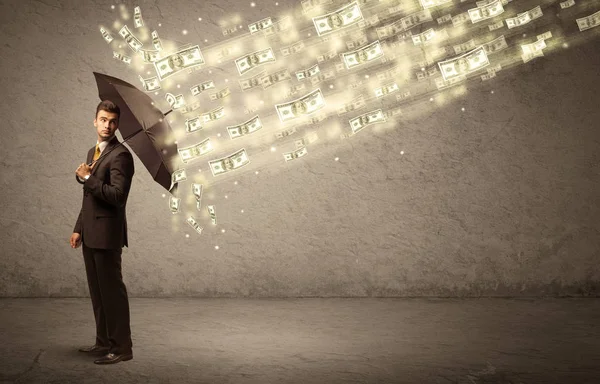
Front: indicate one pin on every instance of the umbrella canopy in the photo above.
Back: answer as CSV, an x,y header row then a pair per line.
x,y
148,131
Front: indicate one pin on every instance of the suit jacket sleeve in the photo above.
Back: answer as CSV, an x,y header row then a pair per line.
x,y
121,174
77,228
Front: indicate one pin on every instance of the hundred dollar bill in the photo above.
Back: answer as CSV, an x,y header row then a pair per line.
x,y
193,152
464,64
326,56
495,45
150,84
137,17
544,36
295,154
130,39
363,55
486,2
567,4
338,19
227,164
488,76
358,41
197,191
285,133
245,128
149,56
252,82
460,48
178,175
281,25
386,89
190,108
223,93
194,124
366,119
213,115
254,59
460,19
389,30
402,96
199,88
229,31
294,48
156,41
588,22
107,36
444,19
497,25
441,83
415,19
295,89
533,50
174,203
309,5
194,224
424,37
175,102
306,140
123,58
485,12
260,25
306,73
302,106
178,61
355,104
212,213
524,18
326,75
433,3
274,78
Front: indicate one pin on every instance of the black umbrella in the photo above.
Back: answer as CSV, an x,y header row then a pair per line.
x,y
138,115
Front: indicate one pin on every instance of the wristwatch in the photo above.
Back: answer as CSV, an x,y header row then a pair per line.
x,y
86,177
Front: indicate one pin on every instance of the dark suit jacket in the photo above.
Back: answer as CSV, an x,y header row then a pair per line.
x,y
102,222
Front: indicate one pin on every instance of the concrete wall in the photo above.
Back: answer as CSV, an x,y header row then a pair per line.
x,y
499,199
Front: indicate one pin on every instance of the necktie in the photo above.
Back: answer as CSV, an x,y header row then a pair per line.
x,y
97,153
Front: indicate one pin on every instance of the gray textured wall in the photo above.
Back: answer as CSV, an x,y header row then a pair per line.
x,y
499,199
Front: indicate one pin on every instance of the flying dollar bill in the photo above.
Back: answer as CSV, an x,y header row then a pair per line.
x,y
302,106
326,56
229,163
213,115
149,56
193,152
499,24
588,22
415,19
524,18
306,73
441,83
467,46
567,4
199,88
285,133
178,175
156,41
260,25
178,61
366,119
424,37
433,3
363,55
533,50
389,30
386,89
485,12
212,213
466,63
274,78
245,128
175,102
444,19
137,17
223,93
123,58
252,60
461,18
194,124
495,45
106,35
295,154
309,5
174,203
197,191
544,36
252,82
194,224
294,48
338,19
353,105
150,84
133,42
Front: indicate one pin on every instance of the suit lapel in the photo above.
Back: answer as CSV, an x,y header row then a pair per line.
x,y
114,141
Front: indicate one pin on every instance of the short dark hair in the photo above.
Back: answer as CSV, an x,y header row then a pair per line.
x,y
108,106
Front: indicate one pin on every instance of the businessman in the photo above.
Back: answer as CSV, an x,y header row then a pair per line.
x,y
102,229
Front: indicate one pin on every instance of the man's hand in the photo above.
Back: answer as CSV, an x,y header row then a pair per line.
x,y
84,170
75,240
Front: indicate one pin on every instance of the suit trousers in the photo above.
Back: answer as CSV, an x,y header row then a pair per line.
x,y
109,298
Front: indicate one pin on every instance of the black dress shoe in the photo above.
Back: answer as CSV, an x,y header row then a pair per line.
x,y
94,349
112,358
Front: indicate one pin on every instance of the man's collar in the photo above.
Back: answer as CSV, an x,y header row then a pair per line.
x,y
105,143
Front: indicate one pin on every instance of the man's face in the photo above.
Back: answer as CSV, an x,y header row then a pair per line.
x,y
106,124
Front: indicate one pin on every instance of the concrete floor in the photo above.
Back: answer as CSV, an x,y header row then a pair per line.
x,y
314,340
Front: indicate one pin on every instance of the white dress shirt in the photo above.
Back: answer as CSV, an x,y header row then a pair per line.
x,y
101,146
